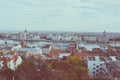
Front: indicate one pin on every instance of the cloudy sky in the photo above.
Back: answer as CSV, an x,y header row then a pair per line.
x,y
60,15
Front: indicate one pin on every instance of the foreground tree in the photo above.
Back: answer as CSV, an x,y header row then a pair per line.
x,y
5,72
1,53
26,71
71,69
78,69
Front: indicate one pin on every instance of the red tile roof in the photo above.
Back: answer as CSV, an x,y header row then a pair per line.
x,y
88,54
54,52
46,46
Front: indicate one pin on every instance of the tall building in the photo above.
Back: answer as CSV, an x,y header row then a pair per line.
x,y
25,34
105,40
6,43
105,37
22,41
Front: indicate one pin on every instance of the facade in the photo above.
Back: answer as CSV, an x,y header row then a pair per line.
x,y
76,38
46,49
16,47
87,47
103,38
91,39
58,37
67,38
34,51
72,47
99,67
94,65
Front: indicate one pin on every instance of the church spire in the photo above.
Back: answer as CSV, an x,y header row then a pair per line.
x,y
22,41
104,33
25,31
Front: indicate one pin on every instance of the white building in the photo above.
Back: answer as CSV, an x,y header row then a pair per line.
x,y
62,55
35,37
31,50
46,49
97,66
103,38
94,66
67,38
90,38
60,46
25,34
16,47
56,37
76,38
14,62
88,47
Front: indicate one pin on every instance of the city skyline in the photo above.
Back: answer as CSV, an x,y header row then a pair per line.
x,y
72,15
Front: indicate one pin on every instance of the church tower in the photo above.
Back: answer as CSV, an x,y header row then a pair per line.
x,y
105,37
25,34
6,43
105,40
22,41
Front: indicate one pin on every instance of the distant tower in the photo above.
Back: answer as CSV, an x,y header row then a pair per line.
x,y
25,31
22,41
25,34
6,43
105,38
104,33
82,37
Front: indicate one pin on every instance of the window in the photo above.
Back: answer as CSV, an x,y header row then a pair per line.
x,y
94,64
94,68
97,70
93,72
97,66
100,68
92,58
100,64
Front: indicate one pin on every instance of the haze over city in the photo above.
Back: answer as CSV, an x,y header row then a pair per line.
x,y
60,15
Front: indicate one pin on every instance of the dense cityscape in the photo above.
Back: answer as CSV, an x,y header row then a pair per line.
x,y
29,55
60,40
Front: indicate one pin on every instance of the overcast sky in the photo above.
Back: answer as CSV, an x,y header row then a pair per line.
x,y
60,15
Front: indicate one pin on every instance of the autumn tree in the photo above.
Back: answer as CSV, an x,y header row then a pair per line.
x,y
71,69
6,74
77,68
26,71
46,71
1,53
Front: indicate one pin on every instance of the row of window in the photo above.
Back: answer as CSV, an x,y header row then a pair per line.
x,y
97,65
